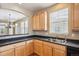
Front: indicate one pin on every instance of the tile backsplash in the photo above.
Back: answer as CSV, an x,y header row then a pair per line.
x,y
73,36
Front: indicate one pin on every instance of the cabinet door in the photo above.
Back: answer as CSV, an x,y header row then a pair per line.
x,y
47,49
34,22
19,51
7,50
76,17
40,21
29,47
7,53
43,20
38,50
37,22
57,52
38,47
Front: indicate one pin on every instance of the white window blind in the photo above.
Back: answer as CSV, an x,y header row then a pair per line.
x,y
59,21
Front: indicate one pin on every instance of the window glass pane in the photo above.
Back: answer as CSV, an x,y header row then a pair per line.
x,y
26,26
3,29
17,28
22,27
59,21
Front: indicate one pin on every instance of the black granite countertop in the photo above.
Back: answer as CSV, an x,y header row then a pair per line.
x,y
7,41
69,43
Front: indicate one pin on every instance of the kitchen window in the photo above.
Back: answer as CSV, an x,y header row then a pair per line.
x,y
17,28
3,29
21,27
59,21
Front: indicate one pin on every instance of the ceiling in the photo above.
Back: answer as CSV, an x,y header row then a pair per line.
x,y
4,15
36,6
16,6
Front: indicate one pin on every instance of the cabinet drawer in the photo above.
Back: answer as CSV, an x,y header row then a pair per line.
x,y
19,44
4,48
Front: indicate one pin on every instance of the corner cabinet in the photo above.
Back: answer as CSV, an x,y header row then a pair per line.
x,y
75,17
38,47
39,21
29,48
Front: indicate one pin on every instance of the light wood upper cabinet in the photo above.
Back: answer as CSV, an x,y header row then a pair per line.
x,y
43,20
20,49
39,21
29,47
33,23
76,17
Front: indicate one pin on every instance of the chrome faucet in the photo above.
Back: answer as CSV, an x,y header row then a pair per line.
x,y
55,37
65,41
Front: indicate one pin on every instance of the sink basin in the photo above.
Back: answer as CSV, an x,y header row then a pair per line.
x,y
58,41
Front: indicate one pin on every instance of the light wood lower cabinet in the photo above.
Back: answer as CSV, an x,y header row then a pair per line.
x,y
7,50
43,48
38,47
47,49
29,47
59,50
7,53
20,49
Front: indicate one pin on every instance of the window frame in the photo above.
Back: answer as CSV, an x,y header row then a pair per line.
x,y
24,20
51,32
